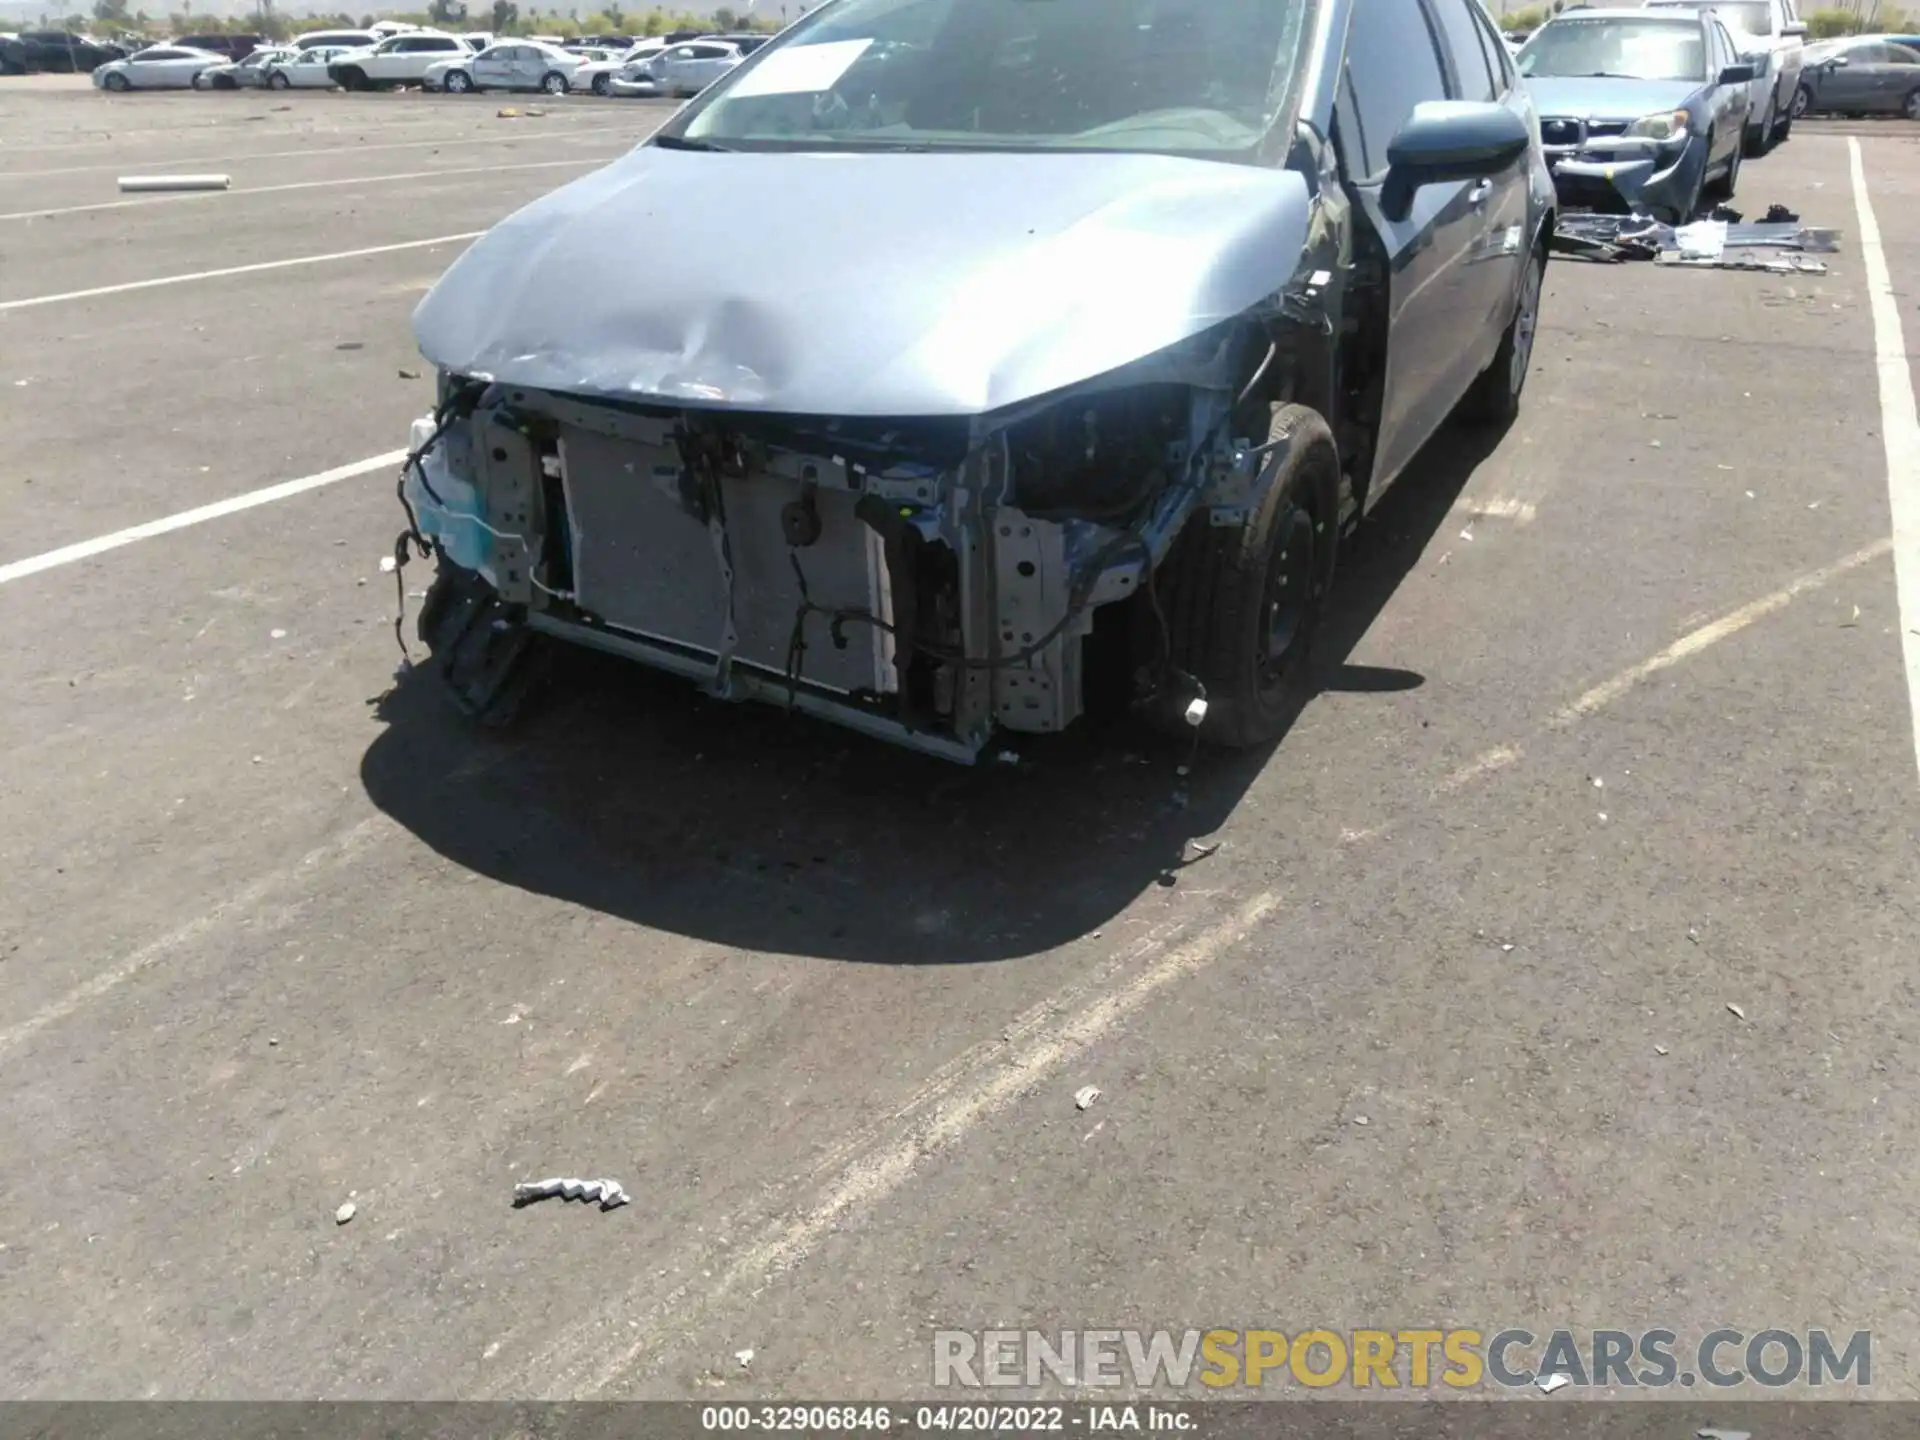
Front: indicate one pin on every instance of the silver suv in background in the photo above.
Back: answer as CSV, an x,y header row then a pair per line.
x,y
1772,39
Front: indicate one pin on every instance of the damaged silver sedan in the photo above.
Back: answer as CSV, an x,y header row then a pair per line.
x,y
949,351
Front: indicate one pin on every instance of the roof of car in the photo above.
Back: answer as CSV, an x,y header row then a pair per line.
x,y
1689,11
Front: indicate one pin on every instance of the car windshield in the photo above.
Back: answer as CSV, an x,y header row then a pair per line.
x,y
1621,48
1198,77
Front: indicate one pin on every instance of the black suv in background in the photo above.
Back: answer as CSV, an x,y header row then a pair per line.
x,y
55,51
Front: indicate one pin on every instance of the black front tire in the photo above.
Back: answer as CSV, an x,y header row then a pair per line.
x,y
1758,137
1494,397
601,85
1243,603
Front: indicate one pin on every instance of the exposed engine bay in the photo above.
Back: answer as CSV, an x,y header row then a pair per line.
x,y
924,581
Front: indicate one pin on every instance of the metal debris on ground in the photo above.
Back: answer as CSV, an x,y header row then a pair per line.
x,y
1711,1434
345,1213
607,1192
388,564
139,184
507,113
745,1357
1085,1096
1199,850
1736,1011
1610,239
1550,1383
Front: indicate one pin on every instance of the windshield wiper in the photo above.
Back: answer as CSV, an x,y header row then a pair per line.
x,y
1609,75
681,142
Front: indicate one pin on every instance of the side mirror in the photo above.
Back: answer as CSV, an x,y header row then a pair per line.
x,y
1736,75
1449,140
1838,62
1796,30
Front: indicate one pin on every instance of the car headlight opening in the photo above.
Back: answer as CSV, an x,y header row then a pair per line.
x,y
1670,125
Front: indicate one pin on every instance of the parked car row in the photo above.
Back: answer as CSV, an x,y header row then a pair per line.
x,y
454,64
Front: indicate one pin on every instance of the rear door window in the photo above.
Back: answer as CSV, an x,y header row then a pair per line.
x,y
1470,65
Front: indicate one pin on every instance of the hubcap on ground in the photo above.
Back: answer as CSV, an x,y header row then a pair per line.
x,y
1525,320
1289,589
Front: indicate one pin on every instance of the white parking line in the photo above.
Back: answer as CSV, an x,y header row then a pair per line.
x,y
33,300
1899,432
584,160
86,549
638,133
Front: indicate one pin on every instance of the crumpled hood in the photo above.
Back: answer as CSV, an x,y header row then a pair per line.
x,y
861,284
1600,99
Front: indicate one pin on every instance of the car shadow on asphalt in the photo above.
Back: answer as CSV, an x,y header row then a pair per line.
x,y
630,793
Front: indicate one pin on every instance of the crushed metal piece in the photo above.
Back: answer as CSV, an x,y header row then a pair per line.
x,y
345,1213
1550,1383
1085,1096
1736,1010
608,1192
745,1357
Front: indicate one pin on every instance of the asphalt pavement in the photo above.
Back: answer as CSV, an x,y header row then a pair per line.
x,y
1557,969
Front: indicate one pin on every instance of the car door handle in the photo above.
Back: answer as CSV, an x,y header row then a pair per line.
x,y
1477,196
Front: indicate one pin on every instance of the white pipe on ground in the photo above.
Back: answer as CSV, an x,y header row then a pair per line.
x,y
137,183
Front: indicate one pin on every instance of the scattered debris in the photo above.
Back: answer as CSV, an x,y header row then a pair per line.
x,y
1085,1096
387,564
138,184
273,1039
276,634
1598,783
345,1213
1467,534
1724,1434
1506,947
1006,757
1550,1383
406,374
533,113
1736,1011
1199,850
506,113
745,1357
1361,1120
1610,239
1659,1049
1693,935
351,345
608,1192
1781,215
1603,817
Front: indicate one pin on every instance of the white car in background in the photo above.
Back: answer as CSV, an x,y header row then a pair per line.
x,y
335,40
1770,37
402,60
158,67
633,76
510,65
304,69
597,68
688,69
247,74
